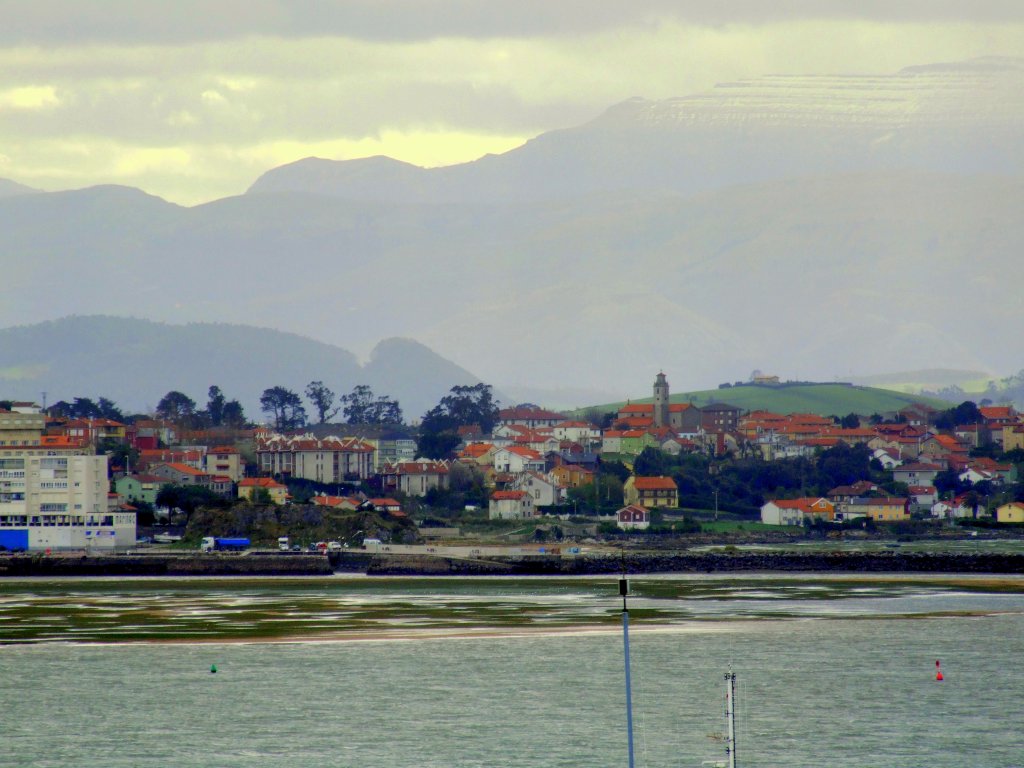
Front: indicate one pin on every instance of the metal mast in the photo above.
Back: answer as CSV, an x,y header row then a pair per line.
x,y
624,590
730,717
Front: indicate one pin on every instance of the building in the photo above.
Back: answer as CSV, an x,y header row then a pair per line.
x,y
796,511
224,460
134,488
59,502
661,418
249,487
720,417
879,509
392,448
529,416
516,459
633,518
544,490
415,478
510,505
323,460
1010,513
651,492
181,474
17,428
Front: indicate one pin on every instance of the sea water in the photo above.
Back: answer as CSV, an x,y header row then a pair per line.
x,y
492,672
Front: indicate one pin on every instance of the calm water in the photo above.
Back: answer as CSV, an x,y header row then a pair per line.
x,y
836,672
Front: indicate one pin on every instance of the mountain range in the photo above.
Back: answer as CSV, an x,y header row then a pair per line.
x,y
136,362
807,226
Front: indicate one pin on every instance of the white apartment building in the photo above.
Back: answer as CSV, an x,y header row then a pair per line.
x,y
59,502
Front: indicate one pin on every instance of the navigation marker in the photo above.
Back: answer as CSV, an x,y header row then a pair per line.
x,y
938,671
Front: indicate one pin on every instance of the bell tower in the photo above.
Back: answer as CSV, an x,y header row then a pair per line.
x,y
661,418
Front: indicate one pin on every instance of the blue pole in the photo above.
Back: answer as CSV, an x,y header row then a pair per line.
x,y
629,691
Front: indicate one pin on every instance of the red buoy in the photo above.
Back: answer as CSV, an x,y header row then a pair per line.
x,y
938,671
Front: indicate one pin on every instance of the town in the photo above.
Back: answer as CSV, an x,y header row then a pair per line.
x,y
82,476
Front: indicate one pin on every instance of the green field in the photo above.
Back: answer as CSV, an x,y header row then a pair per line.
x,y
822,399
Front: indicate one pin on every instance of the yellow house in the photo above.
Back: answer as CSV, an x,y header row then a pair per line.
x,y
878,509
1013,437
249,486
1010,513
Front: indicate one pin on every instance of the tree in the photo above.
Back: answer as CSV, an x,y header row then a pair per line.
x,y
215,405
176,407
463,406
361,407
233,415
284,406
653,462
322,399
850,421
108,410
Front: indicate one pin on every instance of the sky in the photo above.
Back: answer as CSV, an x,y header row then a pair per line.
x,y
192,100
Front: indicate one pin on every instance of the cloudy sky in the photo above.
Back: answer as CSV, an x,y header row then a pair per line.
x,y
192,100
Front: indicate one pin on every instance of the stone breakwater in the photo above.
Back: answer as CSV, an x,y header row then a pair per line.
x,y
303,564
704,562
189,564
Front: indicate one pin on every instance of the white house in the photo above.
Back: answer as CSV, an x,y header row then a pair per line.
x,y
543,489
510,505
516,459
782,512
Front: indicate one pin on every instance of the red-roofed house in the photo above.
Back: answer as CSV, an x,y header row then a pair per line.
x,y
651,492
414,478
510,505
181,474
633,518
528,416
795,511
516,459
325,460
225,460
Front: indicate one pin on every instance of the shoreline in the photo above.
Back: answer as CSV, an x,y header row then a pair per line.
x,y
293,564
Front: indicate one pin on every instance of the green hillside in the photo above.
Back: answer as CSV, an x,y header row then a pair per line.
x,y
822,399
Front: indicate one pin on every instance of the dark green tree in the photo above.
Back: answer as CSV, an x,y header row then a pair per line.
x,y
215,405
362,407
284,406
177,407
234,415
322,399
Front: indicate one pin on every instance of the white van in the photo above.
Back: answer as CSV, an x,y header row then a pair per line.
x,y
283,544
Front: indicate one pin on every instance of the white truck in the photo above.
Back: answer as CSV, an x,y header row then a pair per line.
x,y
283,544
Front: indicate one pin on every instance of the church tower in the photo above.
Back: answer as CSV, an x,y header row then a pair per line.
x,y
661,418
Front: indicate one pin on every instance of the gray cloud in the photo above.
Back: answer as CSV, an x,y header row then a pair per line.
x,y
61,22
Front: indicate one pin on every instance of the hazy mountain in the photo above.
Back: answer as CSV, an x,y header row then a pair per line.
x,y
811,227
963,117
10,188
135,362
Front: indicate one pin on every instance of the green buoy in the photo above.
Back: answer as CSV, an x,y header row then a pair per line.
x,y
213,669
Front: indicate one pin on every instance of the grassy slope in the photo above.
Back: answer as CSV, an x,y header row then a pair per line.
x,y
823,399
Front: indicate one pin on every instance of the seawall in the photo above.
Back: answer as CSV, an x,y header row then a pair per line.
x,y
188,564
705,562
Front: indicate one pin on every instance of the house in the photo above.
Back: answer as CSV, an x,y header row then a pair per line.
x,y
1010,513
249,487
889,458
880,509
633,518
181,474
571,475
544,490
795,511
510,505
415,478
391,506
529,416
224,460
923,495
516,459
720,417
348,503
651,492
481,454
140,487
916,473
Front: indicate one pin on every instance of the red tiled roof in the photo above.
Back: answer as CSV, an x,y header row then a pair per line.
x,y
509,495
655,484
259,482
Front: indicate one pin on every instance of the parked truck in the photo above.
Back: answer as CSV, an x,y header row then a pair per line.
x,y
283,544
224,544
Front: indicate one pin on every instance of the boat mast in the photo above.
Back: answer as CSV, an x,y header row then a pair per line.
x,y
730,717
624,590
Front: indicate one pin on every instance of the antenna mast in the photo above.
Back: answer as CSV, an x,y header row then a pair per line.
x,y
624,591
730,717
